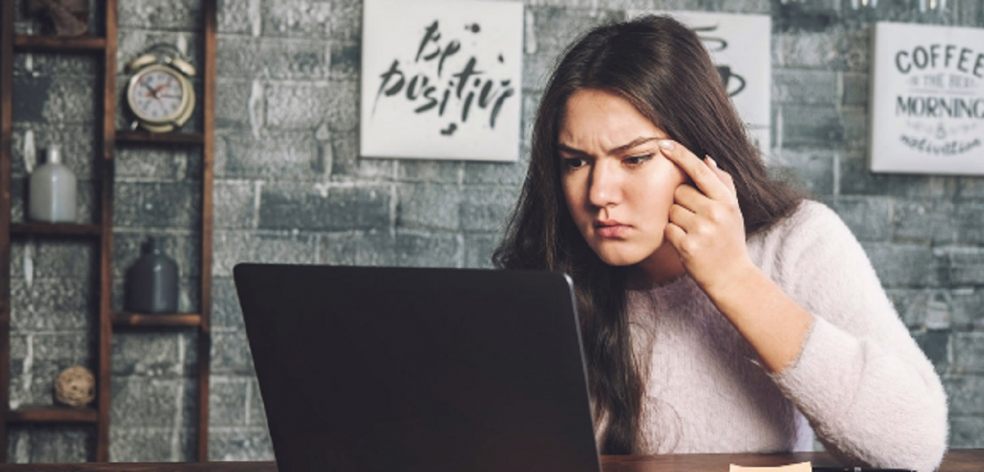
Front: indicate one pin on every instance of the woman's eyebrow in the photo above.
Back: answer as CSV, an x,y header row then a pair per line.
x,y
570,150
635,142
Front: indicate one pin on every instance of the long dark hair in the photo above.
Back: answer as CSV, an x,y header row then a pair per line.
x,y
659,66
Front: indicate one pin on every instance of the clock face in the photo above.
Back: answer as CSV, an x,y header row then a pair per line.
x,y
157,94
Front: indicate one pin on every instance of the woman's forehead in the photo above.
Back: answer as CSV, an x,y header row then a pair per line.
x,y
598,113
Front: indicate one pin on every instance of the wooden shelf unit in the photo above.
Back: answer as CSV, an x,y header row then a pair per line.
x,y
109,138
56,44
6,128
55,229
52,414
157,320
136,138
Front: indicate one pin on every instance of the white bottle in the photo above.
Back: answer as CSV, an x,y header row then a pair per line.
x,y
53,189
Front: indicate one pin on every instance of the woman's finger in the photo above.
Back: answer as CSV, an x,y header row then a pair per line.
x,y
722,175
704,177
691,199
683,217
675,234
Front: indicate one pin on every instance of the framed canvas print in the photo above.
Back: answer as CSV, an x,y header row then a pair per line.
x,y
740,46
927,100
441,79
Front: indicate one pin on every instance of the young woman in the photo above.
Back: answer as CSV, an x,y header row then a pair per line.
x,y
721,310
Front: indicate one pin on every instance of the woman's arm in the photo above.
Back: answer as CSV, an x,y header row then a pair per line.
x,y
774,324
853,369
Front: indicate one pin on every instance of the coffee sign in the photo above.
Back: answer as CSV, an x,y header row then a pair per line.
x,y
927,100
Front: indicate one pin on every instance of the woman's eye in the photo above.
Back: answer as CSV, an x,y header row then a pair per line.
x,y
636,160
571,163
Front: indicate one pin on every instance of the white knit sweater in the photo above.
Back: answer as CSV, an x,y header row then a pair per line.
x,y
861,384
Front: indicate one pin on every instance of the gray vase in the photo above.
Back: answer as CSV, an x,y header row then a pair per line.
x,y
152,281
53,191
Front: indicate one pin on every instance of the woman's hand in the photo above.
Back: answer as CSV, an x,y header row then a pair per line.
x,y
708,231
706,226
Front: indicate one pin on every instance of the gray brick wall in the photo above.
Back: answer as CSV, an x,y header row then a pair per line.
x,y
290,187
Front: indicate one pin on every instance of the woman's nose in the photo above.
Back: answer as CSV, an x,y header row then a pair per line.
x,y
604,189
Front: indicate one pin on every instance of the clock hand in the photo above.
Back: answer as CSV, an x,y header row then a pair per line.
x,y
153,92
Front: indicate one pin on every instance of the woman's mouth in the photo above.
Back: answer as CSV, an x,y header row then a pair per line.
x,y
611,229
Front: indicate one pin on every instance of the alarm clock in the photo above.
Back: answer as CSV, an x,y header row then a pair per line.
x,y
160,94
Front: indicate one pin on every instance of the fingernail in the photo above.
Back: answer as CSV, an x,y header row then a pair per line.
x,y
713,163
666,144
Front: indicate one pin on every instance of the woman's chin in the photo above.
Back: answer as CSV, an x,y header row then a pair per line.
x,y
620,259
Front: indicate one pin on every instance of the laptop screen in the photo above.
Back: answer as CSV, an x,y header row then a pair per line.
x,y
400,369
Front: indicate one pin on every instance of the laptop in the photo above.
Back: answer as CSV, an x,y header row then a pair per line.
x,y
418,369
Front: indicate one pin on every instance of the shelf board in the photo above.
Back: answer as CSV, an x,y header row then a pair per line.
x,y
39,43
156,320
52,414
55,229
159,139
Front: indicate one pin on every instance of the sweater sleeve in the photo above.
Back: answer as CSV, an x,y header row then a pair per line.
x,y
867,389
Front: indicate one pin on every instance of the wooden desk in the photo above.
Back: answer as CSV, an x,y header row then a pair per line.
x,y
957,460
960,460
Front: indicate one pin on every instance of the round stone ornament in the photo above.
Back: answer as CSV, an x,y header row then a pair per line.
x,y
75,386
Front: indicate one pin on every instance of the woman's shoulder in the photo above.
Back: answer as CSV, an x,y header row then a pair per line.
x,y
809,216
812,230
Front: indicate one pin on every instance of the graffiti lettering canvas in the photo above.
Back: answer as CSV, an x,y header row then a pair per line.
x,y
927,100
441,80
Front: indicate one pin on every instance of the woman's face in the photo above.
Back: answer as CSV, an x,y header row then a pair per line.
x,y
618,186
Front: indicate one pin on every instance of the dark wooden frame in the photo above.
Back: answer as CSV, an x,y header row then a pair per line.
x,y
103,231
6,129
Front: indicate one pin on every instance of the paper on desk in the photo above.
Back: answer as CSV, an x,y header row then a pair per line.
x,y
801,467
